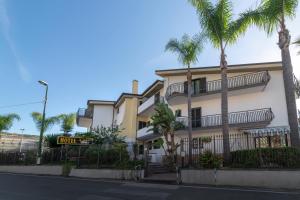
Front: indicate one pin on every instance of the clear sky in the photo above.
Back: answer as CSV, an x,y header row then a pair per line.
x,y
93,49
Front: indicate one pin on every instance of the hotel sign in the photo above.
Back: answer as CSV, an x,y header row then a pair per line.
x,y
72,140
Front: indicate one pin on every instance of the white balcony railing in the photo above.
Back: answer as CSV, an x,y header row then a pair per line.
x,y
144,132
149,103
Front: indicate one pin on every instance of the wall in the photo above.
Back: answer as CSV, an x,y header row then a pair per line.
x,y
250,178
102,116
107,173
272,96
127,119
40,170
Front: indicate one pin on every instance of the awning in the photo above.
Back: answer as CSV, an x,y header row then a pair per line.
x,y
268,131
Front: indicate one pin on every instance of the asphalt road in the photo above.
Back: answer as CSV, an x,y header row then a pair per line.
x,y
23,187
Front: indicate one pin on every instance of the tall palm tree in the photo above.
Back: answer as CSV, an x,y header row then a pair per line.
x,y
187,50
6,121
49,122
217,23
271,16
67,122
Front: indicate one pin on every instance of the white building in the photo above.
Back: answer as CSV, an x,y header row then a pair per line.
x,y
256,102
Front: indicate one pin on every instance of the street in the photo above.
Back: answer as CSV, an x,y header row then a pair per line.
x,y
23,187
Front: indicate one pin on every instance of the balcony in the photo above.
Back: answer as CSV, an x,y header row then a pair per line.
x,y
84,118
146,134
239,82
243,119
147,107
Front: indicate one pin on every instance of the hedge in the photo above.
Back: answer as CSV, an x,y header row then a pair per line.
x,y
286,157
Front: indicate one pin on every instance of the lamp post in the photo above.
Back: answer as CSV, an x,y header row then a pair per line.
x,y
38,161
22,129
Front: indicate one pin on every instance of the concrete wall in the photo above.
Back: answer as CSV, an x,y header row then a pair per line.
x,y
106,173
39,170
102,116
251,178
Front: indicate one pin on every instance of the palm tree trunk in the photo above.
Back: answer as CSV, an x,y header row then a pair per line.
x,y
224,108
284,42
189,79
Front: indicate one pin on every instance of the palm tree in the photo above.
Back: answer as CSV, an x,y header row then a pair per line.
x,y
67,122
48,123
164,123
187,50
271,16
217,23
6,121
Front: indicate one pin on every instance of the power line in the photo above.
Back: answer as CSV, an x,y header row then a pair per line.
x,y
22,104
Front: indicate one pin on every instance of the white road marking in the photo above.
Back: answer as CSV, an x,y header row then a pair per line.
x,y
242,189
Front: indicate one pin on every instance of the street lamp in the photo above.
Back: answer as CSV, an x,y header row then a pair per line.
x,y
22,129
38,161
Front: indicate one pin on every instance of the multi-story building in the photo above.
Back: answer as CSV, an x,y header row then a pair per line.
x,y
256,102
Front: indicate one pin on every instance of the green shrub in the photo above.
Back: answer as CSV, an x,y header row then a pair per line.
x,y
67,167
285,157
30,158
210,160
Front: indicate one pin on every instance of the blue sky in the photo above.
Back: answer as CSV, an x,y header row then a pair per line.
x,y
94,49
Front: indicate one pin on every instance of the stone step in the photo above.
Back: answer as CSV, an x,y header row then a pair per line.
x,y
165,178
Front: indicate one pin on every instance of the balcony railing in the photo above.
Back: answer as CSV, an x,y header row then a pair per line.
x,y
149,103
83,113
235,82
242,118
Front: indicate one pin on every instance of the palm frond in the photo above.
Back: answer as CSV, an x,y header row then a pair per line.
x,y
187,48
239,26
67,122
48,123
6,121
209,20
270,13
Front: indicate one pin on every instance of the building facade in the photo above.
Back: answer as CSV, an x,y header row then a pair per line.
x,y
256,103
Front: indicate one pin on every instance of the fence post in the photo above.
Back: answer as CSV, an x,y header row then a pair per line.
x,y
98,156
247,141
214,144
78,159
259,153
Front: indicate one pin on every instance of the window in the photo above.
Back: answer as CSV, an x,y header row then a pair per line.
x,y
195,143
118,110
198,86
149,145
270,141
196,117
141,149
178,113
156,145
142,124
157,98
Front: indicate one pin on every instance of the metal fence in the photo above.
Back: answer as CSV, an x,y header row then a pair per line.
x,y
82,156
235,82
263,149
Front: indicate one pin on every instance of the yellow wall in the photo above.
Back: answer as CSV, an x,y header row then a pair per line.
x,y
128,126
